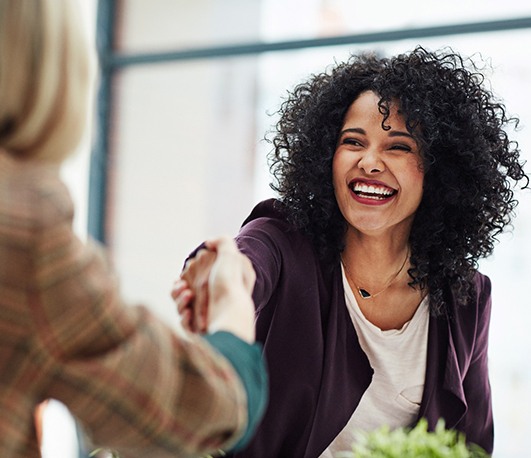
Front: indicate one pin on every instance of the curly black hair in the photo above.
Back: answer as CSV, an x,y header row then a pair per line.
x,y
470,165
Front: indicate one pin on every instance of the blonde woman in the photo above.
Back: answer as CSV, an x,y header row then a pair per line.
x,y
134,385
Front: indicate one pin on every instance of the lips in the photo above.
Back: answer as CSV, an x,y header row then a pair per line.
x,y
371,190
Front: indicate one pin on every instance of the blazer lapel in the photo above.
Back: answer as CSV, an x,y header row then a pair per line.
x,y
443,392
346,374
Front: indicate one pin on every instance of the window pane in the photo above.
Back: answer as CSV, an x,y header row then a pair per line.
x,y
336,17
161,25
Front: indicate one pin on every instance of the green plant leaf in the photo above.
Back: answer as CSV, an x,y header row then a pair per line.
x,y
415,442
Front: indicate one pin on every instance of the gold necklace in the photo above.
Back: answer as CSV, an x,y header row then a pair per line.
x,y
364,294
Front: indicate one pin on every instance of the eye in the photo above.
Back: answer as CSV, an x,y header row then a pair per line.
x,y
401,147
351,141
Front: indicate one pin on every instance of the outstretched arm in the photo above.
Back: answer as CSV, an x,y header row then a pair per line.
x,y
134,384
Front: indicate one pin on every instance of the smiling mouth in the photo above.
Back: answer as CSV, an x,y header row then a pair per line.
x,y
371,191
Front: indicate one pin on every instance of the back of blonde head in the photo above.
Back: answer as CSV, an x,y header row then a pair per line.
x,y
45,76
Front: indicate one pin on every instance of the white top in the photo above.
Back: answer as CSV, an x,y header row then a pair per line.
x,y
398,357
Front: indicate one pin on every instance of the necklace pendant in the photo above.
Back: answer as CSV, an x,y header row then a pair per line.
x,y
364,293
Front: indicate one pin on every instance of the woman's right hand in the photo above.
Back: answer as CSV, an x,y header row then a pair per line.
x,y
230,289
214,292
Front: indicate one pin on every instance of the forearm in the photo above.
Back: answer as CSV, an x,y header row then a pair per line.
x,y
134,385
156,396
249,363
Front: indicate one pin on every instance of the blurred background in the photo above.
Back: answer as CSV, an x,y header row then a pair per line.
x,y
175,151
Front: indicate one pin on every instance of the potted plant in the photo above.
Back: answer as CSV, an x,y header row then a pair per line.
x,y
413,443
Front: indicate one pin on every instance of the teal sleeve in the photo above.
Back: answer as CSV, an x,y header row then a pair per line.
x,y
249,363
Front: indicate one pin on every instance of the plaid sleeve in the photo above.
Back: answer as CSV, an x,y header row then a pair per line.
x,y
135,386
248,362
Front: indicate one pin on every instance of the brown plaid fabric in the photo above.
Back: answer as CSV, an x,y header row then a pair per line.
x,y
65,334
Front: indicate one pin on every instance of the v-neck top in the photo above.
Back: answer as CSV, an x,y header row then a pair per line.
x,y
398,358
318,371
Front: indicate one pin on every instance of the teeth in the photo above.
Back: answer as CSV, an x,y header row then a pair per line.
x,y
376,191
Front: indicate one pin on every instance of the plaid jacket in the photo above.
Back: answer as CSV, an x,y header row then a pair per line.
x,y
64,334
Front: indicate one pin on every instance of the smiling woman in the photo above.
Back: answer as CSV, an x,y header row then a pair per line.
x,y
394,177
378,181
377,170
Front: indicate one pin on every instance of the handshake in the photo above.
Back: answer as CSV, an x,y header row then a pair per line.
x,y
214,291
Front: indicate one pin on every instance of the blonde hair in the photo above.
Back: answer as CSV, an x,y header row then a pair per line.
x,y
45,77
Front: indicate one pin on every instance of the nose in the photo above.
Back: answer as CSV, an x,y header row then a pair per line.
x,y
371,162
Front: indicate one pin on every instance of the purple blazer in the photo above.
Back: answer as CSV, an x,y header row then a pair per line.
x,y
317,369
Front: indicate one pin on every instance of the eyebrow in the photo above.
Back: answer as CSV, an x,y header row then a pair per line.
x,y
393,133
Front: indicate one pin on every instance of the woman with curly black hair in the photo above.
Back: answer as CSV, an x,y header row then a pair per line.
x,y
394,177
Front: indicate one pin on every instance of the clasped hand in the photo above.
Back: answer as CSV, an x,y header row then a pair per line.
x,y
214,291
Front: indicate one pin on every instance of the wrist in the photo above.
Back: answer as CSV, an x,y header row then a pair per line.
x,y
236,315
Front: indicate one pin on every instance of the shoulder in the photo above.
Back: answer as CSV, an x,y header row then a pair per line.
x,y
470,319
483,287
268,222
266,236
479,300
270,212
483,302
32,195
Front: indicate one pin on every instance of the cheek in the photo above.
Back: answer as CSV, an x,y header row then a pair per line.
x,y
336,172
416,183
414,171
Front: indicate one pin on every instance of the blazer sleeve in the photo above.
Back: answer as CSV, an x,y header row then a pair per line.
x,y
133,383
253,380
264,239
261,241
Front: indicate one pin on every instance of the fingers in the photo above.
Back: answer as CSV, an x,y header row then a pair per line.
x,y
186,320
222,244
230,285
215,290
182,295
197,269
195,277
183,298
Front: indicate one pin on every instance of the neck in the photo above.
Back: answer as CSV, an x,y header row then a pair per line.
x,y
374,253
375,263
